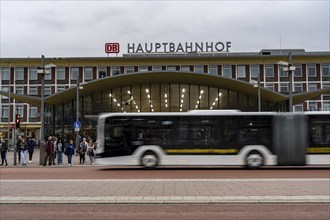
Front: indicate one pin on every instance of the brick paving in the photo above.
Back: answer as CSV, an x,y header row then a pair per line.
x,y
149,191
165,191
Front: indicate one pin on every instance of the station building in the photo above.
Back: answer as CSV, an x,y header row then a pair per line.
x,y
157,82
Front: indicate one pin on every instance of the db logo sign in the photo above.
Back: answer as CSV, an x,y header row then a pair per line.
x,y
112,47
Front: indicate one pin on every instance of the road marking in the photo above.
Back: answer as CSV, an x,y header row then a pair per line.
x,y
165,180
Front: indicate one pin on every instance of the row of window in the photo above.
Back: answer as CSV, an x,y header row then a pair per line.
x,y
212,69
282,87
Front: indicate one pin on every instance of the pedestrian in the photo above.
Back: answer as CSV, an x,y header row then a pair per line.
x,y
90,151
49,151
59,149
3,150
69,151
82,151
31,145
18,148
54,139
24,149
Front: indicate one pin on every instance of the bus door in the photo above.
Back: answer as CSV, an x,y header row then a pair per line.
x,y
290,139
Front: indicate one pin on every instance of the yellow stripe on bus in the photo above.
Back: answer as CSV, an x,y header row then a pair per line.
x,y
200,151
320,150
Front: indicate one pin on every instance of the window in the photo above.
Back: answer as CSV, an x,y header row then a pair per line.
x,y
4,89
227,71
312,86
269,70
20,110
74,73
311,70
326,85
199,69
5,112
157,68
326,106
19,73
312,106
33,112
326,69
60,73
115,70
20,90
297,87
33,90
48,75
102,72
298,71
129,69
33,73
60,88
48,90
5,73
270,86
241,73
88,73
255,71
284,87
213,70
282,72
298,108
185,68
143,68
171,68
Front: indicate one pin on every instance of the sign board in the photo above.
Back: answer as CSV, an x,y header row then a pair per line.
x,y
112,47
76,124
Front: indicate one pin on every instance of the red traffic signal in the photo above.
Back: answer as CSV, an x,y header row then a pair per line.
x,y
18,120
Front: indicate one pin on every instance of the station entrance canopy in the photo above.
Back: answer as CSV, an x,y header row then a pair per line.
x,y
163,79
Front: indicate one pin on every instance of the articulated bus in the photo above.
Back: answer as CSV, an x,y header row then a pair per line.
x,y
213,137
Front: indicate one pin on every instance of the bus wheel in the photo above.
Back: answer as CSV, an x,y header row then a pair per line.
x,y
254,160
149,160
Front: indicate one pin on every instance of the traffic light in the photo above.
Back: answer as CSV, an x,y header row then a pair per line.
x,y
18,120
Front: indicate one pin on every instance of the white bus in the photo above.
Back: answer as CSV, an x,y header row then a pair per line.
x,y
213,137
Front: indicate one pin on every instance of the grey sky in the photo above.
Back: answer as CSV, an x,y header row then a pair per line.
x,y
81,28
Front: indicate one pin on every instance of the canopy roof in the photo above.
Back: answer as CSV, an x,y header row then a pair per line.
x,y
166,77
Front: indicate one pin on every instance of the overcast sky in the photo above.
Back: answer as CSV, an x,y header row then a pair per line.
x,y
81,28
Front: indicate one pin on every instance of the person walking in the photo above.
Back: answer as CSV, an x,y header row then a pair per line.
x,y
59,148
90,151
18,148
69,151
3,150
31,145
24,149
49,151
82,151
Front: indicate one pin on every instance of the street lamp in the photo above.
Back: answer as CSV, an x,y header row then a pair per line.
x,y
257,84
9,113
77,123
43,71
288,67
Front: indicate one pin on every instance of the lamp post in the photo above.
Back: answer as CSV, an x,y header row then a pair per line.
x,y
9,114
42,72
257,84
77,123
289,67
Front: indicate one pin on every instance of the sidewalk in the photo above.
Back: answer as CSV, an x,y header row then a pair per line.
x,y
36,159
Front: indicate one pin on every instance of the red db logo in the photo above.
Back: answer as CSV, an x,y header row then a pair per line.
x,y
112,47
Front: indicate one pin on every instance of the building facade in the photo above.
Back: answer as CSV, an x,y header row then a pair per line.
x,y
162,82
